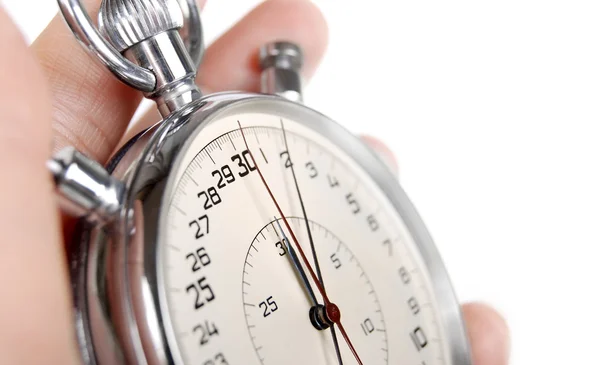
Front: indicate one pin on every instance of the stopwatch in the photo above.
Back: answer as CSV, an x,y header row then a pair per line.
x,y
243,228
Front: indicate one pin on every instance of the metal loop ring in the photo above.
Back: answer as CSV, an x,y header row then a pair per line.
x,y
131,74
191,33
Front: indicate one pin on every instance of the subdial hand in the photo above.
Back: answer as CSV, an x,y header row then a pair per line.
x,y
297,265
317,312
331,310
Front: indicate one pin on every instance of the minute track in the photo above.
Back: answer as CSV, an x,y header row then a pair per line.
x,y
326,241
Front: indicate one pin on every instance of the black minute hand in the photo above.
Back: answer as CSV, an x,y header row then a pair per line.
x,y
297,264
310,239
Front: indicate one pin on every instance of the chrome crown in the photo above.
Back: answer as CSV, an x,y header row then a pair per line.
x,y
128,22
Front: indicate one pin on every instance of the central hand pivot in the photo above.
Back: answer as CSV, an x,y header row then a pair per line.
x,y
322,317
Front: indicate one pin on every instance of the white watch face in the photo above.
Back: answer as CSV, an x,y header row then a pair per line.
x,y
237,287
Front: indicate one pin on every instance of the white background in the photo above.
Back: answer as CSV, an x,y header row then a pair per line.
x,y
492,108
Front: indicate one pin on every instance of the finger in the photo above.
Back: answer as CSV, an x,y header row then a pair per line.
x,y
383,152
231,62
488,334
91,108
35,308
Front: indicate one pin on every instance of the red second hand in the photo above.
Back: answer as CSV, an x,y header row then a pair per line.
x,y
332,310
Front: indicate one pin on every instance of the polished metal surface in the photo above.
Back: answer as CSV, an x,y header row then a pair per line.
x,y
85,188
192,32
121,308
128,22
121,298
174,70
133,26
281,64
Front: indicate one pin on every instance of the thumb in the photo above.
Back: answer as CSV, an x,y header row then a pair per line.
x,y
35,308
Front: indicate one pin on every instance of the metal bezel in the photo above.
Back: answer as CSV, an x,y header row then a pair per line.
x,y
146,165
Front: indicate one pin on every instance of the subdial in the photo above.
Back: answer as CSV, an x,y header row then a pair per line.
x,y
280,313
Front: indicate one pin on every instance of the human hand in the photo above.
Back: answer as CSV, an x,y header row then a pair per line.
x,y
54,95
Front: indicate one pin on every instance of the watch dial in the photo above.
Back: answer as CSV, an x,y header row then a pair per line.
x,y
237,287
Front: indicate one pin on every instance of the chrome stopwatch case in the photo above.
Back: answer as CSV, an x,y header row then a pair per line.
x,y
244,228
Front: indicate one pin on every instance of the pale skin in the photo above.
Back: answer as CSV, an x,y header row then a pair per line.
x,y
53,95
